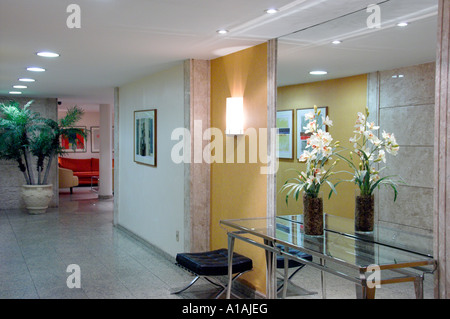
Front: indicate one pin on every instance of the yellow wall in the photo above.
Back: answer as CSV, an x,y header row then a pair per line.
x,y
239,190
344,98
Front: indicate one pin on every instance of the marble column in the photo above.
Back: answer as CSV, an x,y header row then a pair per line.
x,y
442,156
105,182
197,172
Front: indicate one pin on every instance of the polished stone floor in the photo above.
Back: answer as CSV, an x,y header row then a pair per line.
x,y
36,250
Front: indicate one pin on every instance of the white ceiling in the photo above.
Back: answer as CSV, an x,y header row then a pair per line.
x,y
123,40
362,50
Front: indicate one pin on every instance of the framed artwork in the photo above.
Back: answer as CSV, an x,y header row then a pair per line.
x,y
285,134
81,143
302,137
145,137
95,139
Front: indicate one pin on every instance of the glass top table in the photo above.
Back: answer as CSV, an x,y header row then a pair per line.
x,y
385,235
339,251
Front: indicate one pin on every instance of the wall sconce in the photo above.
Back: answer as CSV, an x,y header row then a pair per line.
x,y
235,116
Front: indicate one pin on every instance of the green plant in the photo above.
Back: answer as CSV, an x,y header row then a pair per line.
x,y
26,136
318,152
370,150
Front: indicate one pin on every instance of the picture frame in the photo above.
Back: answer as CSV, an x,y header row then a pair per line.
x,y
145,137
95,139
81,143
301,136
285,134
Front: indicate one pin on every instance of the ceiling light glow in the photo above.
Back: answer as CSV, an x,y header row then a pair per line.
x,y
271,11
15,92
318,72
26,80
336,42
48,54
402,24
35,69
222,31
20,86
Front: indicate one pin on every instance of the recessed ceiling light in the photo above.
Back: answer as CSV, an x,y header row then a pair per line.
x,y
15,92
272,11
336,42
20,86
48,54
318,72
402,24
222,31
35,69
26,80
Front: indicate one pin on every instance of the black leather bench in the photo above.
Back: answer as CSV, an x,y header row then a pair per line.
x,y
212,263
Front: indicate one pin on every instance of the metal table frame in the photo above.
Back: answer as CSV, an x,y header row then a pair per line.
x,y
270,242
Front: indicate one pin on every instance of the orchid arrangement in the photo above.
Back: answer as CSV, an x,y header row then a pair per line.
x,y
318,151
370,150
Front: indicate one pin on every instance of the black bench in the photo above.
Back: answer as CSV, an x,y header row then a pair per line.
x,y
212,263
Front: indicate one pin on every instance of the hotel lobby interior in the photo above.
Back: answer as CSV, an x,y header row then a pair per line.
x,y
330,99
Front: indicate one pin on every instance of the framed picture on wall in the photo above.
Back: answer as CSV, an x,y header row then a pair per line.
x,y
145,137
80,146
285,134
95,139
302,136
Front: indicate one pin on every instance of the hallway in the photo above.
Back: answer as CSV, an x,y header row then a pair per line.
x,y
36,250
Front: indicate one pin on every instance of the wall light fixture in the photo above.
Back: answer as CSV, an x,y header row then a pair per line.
x,y
235,116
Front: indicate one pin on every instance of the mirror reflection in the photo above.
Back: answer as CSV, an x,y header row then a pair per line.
x,y
382,58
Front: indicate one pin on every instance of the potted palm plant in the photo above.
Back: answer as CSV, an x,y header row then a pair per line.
x,y
33,142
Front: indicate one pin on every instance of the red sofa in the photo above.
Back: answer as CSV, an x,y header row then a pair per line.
x,y
84,169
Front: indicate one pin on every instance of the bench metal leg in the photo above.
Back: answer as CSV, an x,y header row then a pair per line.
x,y
222,287
183,289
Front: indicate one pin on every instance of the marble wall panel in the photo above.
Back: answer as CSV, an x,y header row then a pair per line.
x,y
411,125
413,207
416,87
199,173
413,164
405,106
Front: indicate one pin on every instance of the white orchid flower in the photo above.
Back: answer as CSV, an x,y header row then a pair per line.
x,y
309,116
326,121
372,126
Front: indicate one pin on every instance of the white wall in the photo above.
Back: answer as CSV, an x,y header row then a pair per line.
x,y
150,200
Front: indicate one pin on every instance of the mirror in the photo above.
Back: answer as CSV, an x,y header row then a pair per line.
x,y
389,68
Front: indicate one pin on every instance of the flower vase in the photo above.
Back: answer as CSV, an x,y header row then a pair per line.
x,y
313,215
364,213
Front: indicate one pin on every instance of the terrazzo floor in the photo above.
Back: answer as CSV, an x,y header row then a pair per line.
x,y
36,250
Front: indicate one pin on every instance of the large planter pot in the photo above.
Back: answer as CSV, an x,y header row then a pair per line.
x,y
364,213
313,215
37,197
